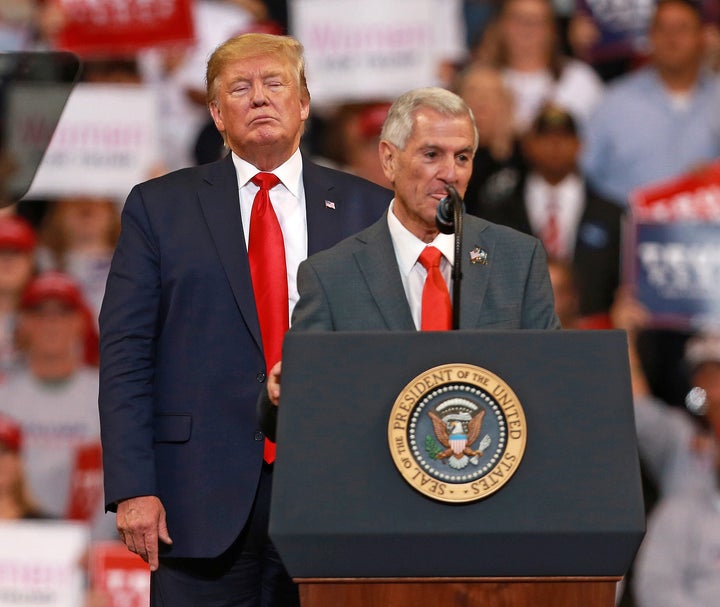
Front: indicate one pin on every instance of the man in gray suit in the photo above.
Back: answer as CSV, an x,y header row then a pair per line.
x,y
374,280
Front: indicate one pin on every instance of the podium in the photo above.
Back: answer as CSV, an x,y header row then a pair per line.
x,y
352,531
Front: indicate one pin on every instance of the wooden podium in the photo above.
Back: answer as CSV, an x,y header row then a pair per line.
x,y
563,530
516,592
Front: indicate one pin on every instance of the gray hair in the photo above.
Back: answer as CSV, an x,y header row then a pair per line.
x,y
401,116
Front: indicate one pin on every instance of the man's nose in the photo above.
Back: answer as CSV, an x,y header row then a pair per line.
x,y
448,170
258,94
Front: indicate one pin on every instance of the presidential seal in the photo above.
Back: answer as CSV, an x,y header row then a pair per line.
x,y
457,433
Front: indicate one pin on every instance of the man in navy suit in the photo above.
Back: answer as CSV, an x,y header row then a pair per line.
x,y
589,228
181,347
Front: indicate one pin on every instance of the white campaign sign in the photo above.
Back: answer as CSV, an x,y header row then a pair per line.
x,y
369,49
107,140
40,563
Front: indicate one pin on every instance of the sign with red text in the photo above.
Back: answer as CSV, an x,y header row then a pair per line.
x,y
673,249
121,27
86,486
106,141
119,576
41,563
691,197
373,49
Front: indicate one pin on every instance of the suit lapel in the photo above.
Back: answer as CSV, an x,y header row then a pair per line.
x,y
322,215
379,269
220,203
475,276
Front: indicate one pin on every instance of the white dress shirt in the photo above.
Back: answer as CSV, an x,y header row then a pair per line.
x,y
407,248
569,198
288,201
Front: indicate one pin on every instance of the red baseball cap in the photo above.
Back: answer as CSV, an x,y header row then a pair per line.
x,y
372,117
52,285
16,233
10,433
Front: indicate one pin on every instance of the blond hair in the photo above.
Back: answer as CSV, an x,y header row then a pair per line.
x,y
251,45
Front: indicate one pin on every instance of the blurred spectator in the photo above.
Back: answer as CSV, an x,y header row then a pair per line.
x,y
54,397
353,137
677,564
498,164
565,292
555,204
15,499
524,44
677,450
662,120
78,237
17,265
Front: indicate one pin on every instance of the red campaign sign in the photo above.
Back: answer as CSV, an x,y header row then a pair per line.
x,y
691,197
119,577
86,488
119,27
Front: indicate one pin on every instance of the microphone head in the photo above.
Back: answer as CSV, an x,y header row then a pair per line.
x,y
445,216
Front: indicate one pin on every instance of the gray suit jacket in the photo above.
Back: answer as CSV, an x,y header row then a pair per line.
x,y
356,286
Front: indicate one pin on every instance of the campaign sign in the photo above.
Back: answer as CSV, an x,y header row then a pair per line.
x,y
106,141
121,27
366,49
672,249
691,197
676,272
41,563
622,26
117,575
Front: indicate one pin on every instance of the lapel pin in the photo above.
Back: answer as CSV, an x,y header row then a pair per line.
x,y
478,255
330,204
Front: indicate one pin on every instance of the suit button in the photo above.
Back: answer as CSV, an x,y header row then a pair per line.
x,y
259,436
260,377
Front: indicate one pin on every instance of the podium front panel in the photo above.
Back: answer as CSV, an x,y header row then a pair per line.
x,y
341,508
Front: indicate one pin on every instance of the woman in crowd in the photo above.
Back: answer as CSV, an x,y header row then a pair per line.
x,y
524,44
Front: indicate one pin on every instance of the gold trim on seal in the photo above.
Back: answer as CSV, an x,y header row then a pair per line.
x,y
478,390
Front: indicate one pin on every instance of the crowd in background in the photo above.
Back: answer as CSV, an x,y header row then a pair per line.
x,y
566,134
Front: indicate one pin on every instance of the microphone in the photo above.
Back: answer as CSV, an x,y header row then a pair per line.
x,y
445,214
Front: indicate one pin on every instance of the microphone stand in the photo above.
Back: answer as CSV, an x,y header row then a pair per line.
x,y
446,225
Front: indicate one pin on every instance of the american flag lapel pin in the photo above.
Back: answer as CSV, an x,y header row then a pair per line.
x,y
329,204
478,255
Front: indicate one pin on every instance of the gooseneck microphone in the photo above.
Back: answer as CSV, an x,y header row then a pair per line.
x,y
445,214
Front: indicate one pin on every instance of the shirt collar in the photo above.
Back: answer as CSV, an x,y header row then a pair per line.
x,y
289,172
408,246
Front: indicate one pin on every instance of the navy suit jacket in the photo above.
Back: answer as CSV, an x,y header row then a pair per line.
x,y
596,260
181,360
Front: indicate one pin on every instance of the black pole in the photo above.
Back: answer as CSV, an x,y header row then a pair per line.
x,y
449,218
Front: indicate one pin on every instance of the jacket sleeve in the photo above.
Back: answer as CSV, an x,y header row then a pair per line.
x,y
538,298
128,331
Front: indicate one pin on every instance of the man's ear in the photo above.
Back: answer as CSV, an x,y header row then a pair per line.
x,y
216,116
388,156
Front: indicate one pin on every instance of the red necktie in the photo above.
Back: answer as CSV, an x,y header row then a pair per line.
x,y
436,311
266,251
551,230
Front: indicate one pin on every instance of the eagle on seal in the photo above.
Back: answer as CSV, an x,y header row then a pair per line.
x,y
456,441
